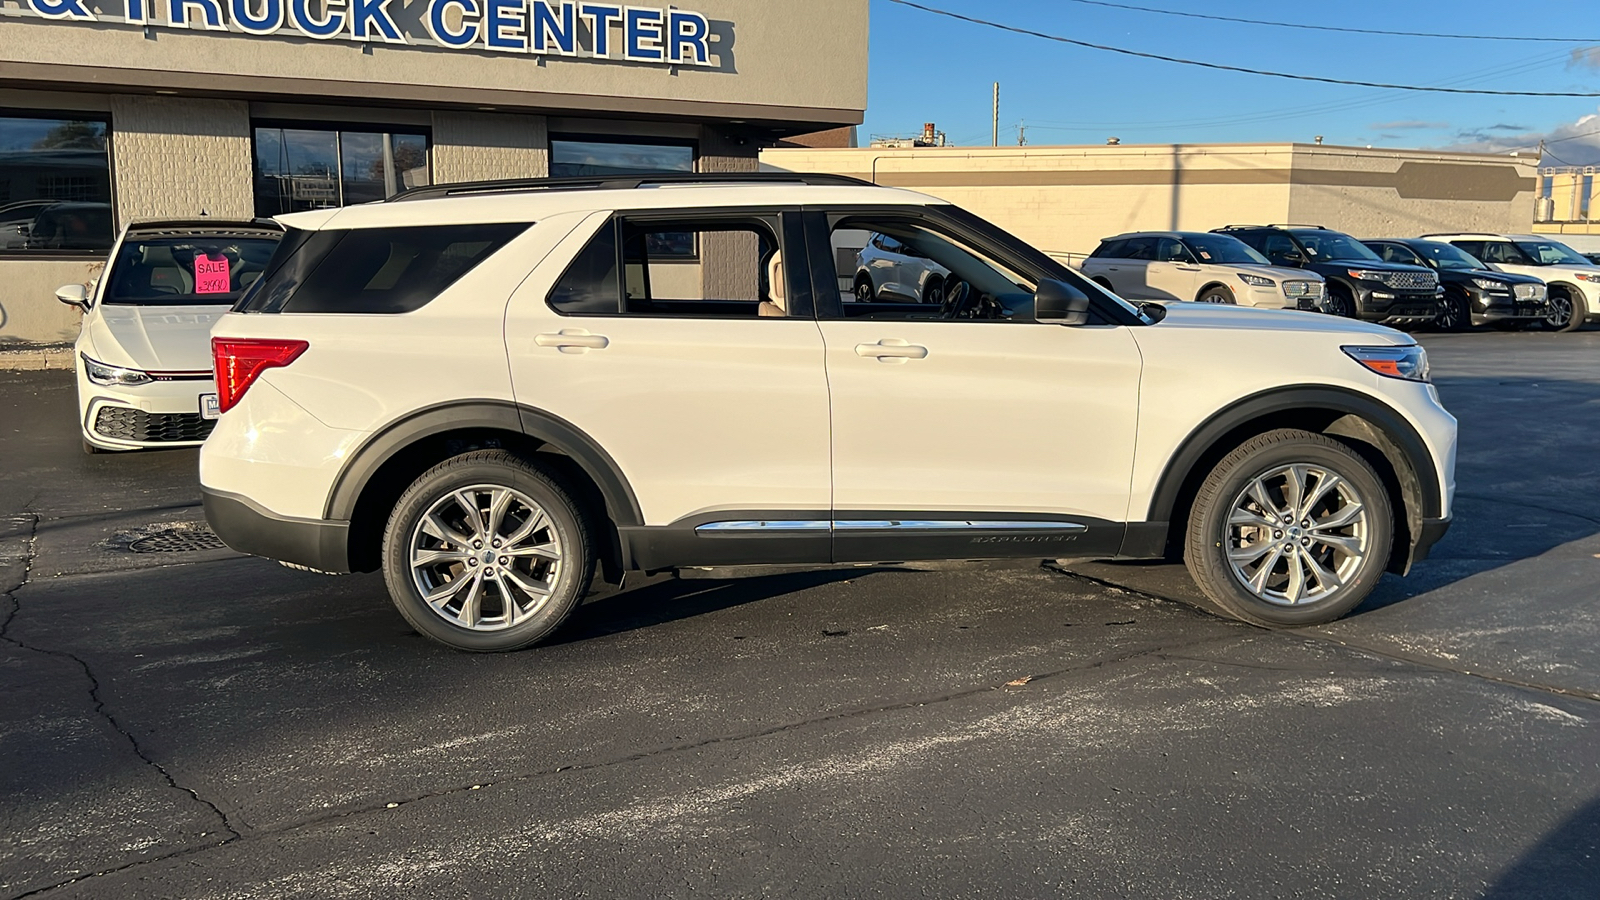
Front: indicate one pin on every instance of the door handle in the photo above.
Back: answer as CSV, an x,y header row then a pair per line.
x,y
891,348
1187,268
573,340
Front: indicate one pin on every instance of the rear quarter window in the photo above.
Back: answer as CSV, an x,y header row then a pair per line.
x,y
374,270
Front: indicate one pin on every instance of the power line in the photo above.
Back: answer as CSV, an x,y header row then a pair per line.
x,y
1418,34
1220,67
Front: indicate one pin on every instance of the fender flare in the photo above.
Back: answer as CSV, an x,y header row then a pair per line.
x,y
1389,422
500,415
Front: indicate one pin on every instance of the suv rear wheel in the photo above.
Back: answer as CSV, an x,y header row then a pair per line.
x,y
1292,528
486,553
1566,311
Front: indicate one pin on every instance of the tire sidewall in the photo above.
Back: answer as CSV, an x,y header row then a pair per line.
x,y
1212,522
453,475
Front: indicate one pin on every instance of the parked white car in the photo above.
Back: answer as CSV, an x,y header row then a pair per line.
x,y
1166,266
1572,280
491,391
144,354
890,271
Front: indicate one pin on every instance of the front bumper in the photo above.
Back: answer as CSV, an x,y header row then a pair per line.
x,y
1502,307
310,543
147,416
1385,304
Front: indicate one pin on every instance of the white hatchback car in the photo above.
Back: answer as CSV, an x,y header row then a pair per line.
x,y
1573,282
491,391
143,354
1166,266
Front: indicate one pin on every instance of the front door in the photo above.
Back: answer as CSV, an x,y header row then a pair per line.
x,y
959,434
674,341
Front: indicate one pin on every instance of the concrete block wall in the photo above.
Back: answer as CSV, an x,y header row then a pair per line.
x,y
482,146
730,263
180,156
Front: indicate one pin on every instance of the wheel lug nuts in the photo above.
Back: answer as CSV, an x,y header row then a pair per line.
x,y
477,545
505,561
1278,535
472,562
497,545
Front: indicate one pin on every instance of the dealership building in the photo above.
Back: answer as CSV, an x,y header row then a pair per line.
x,y
117,110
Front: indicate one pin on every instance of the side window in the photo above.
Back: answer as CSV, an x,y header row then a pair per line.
x,y
375,270
1499,252
701,268
952,280
1169,250
1471,248
1279,248
1109,250
1140,248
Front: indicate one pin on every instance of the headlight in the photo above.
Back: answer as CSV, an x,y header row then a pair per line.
x,y
1366,274
1489,284
1583,276
1409,363
1256,280
1531,291
113,376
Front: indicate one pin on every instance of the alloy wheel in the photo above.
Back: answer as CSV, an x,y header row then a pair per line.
x,y
1560,310
1297,534
485,558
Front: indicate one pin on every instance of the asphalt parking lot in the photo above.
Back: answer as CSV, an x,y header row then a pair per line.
x,y
178,721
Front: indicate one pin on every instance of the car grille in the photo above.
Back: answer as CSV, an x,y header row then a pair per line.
x,y
1306,290
1411,281
121,423
1530,291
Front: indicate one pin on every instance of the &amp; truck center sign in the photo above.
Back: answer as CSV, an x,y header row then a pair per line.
x,y
639,34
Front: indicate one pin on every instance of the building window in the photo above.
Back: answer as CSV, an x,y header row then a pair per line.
x,y
55,185
572,157
309,168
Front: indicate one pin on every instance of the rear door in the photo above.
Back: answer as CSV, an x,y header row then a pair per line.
x,y
1174,275
683,344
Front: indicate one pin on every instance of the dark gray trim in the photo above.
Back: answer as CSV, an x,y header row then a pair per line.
x,y
248,528
55,76
484,414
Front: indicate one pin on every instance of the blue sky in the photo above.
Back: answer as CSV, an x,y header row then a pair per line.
x,y
927,68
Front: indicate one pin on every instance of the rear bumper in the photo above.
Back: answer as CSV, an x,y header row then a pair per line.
x,y
247,528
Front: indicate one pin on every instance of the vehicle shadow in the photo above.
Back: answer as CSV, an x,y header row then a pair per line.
x,y
1565,863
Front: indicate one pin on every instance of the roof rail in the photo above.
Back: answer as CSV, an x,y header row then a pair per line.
x,y
621,183
1294,225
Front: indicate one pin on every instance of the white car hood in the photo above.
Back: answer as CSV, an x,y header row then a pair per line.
x,y
155,338
1282,273
1244,318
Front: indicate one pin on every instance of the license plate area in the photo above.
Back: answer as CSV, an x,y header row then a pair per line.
x,y
210,407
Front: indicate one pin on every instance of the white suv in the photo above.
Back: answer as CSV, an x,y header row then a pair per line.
x,y
1572,280
493,391
1164,266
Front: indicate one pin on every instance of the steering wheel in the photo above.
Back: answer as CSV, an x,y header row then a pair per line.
x,y
957,294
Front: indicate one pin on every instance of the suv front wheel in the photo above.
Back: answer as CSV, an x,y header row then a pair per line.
x,y
1292,528
486,553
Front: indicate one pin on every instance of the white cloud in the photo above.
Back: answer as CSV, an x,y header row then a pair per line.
x,y
1575,143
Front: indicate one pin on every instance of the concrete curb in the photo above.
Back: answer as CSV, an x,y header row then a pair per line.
x,y
37,358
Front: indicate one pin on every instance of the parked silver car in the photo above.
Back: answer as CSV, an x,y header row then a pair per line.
x,y
888,270
1165,266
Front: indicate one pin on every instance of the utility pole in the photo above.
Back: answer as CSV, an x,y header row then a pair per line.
x,y
997,113
1022,133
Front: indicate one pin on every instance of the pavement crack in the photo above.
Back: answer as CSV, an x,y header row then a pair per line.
x,y
13,612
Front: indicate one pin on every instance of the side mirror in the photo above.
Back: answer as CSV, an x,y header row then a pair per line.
x,y
74,295
1059,303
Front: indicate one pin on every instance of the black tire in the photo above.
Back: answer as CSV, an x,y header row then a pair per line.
x,y
1340,302
1210,534
1217,294
933,291
865,292
1455,312
1567,310
567,528
92,450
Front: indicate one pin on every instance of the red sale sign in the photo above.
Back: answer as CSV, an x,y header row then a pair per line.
x,y
211,275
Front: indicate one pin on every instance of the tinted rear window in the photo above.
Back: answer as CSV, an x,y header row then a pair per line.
x,y
374,270
192,270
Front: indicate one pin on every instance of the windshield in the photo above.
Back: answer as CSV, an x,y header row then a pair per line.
x,y
1326,245
1444,256
1552,253
1223,249
188,271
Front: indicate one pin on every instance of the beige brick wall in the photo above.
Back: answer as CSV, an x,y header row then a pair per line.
x,y
483,146
730,263
179,157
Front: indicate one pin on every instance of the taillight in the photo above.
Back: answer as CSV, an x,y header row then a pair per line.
x,y
239,361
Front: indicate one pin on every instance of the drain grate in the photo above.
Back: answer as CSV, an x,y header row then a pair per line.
x,y
177,540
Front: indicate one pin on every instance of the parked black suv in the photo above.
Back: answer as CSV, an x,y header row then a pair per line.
x,y
1474,294
1360,285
